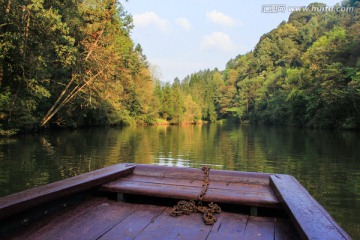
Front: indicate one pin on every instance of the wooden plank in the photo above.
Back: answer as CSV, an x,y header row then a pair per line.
x,y
259,228
36,196
242,197
135,223
36,228
184,192
91,223
197,174
104,219
238,226
285,230
308,216
182,227
229,226
239,186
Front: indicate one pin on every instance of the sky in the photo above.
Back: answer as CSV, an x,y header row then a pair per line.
x,y
184,36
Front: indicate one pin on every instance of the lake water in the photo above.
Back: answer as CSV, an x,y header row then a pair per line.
x,y
327,163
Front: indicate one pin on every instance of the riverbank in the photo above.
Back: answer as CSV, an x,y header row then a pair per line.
x,y
157,122
163,122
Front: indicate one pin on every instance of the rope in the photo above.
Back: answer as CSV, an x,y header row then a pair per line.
x,y
189,207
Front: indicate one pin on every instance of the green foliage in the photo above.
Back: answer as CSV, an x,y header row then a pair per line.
x,y
71,64
305,73
301,73
310,82
74,64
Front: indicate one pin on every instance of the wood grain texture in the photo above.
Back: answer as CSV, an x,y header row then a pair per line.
x,y
285,230
21,201
134,224
214,184
219,192
308,216
83,223
237,226
229,226
259,228
36,228
197,174
103,219
231,187
182,227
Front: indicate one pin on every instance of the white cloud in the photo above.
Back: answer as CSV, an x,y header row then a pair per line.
x,y
220,18
151,19
179,67
219,40
184,23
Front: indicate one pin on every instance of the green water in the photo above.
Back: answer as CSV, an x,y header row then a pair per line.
x,y
327,163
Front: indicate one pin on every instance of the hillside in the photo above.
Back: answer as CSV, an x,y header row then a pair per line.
x,y
306,72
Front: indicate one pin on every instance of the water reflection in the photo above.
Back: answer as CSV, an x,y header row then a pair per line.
x,y
325,162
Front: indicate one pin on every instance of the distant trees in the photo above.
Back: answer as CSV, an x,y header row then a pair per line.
x,y
192,100
305,73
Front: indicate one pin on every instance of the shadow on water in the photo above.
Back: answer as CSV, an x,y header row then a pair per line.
x,y
325,162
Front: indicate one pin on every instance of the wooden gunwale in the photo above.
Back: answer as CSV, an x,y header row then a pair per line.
x,y
27,199
308,216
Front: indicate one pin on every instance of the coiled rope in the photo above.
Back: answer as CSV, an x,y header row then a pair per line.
x,y
189,207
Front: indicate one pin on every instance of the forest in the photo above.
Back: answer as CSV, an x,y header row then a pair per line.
x,y
72,63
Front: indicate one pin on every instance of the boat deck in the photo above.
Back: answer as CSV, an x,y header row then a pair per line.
x,y
101,218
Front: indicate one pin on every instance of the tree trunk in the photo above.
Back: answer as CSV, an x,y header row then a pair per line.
x,y
63,99
8,7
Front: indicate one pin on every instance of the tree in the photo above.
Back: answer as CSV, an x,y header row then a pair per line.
x,y
167,111
28,74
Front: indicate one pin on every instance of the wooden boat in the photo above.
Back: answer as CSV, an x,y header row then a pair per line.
x,y
130,201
